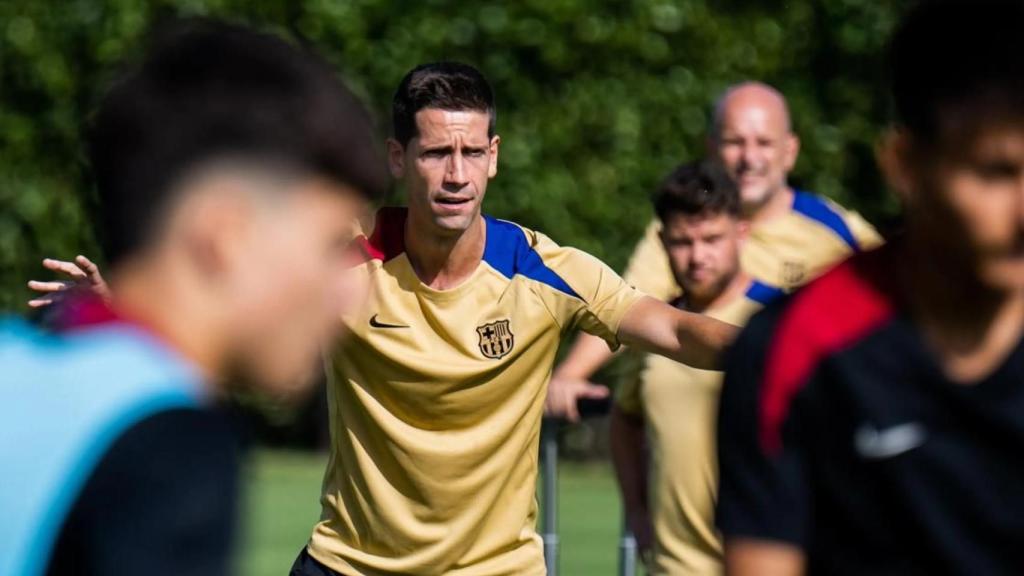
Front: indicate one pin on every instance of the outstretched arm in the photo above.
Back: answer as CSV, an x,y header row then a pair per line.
x,y
693,339
83,274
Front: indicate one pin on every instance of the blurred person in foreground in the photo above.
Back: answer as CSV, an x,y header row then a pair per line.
x,y
229,167
794,235
873,423
671,408
437,394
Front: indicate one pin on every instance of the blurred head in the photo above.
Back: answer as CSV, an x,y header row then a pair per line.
x,y
240,163
444,146
699,209
956,154
752,137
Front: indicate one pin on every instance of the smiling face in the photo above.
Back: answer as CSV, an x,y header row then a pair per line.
x,y
446,167
753,142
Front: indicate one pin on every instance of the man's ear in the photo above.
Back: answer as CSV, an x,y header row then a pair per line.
x,y
792,150
894,157
215,226
396,158
492,169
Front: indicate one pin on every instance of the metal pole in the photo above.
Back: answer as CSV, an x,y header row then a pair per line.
x,y
627,552
549,493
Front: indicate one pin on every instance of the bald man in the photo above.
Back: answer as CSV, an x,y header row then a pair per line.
x,y
795,235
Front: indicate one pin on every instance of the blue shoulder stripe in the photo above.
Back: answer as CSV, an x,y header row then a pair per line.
x,y
508,252
763,294
815,208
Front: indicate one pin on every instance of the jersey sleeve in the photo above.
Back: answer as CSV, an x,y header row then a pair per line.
x,y
867,237
588,295
762,491
648,269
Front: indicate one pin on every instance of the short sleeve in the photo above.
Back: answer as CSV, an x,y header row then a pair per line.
x,y
648,269
588,294
867,237
762,492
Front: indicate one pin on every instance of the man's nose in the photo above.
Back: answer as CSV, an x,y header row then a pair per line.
x,y
456,173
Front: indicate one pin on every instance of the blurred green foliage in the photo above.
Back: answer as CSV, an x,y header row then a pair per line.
x,y
597,100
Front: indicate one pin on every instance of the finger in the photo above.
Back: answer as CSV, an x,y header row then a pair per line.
x,y
572,414
47,286
68,268
87,266
39,302
594,392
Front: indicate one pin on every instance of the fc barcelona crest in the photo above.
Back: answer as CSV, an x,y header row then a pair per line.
x,y
496,339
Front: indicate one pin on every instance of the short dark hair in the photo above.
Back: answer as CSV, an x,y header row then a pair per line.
x,y
696,188
443,85
947,53
206,91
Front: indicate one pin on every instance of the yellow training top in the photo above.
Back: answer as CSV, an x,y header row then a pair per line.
x,y
787,251
679,405
436,400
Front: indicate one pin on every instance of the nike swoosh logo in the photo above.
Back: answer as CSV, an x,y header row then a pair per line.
x,y
378,324
877,444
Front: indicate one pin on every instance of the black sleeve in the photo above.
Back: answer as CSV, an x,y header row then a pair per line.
x,y
162,501
762,491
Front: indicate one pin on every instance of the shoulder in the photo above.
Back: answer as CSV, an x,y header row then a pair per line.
x,y
514,250
795,335
825,212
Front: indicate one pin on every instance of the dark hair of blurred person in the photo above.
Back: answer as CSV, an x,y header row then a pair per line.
x,y
873,424
230,167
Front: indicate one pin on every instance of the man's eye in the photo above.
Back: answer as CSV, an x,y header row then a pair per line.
x,y
435,154
998,170
475,153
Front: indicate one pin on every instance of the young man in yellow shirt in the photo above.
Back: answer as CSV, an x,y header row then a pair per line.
x,y
670,408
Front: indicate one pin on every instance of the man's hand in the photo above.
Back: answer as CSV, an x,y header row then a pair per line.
x,y
639,523
564,393
84,276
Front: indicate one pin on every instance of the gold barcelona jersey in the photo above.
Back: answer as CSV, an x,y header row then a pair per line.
x,y
679,407
436,400
787,251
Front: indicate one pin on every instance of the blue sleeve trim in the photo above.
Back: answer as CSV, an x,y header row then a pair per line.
x,y
818,210
508,252
763,293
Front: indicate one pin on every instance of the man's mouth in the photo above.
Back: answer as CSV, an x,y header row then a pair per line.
x,y
453,201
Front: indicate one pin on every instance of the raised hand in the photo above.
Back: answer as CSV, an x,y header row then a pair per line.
x,y
83,274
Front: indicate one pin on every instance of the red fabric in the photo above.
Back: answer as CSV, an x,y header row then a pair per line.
x,y
826,316
388,239
84,310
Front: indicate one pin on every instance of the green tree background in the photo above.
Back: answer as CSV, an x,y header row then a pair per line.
x,y
597,100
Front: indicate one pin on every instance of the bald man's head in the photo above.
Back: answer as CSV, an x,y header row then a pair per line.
x,y
751,135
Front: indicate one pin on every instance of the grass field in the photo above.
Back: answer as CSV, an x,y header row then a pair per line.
x,y
283,506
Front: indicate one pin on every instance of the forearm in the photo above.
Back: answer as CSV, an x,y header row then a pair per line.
x,y
629,459
750,557
693,339
587,355
702,340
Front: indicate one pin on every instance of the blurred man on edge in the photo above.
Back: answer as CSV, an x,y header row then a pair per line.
x,y
873,423
229,166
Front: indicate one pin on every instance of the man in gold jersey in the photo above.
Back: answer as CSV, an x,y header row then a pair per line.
x,y
437,395
670,408
794,235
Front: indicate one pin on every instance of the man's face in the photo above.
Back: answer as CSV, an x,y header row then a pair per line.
x,y
446,167
703,251
755,146
967,193
292,281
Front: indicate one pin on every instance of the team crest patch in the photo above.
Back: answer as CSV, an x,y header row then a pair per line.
x,y
793,273
496,339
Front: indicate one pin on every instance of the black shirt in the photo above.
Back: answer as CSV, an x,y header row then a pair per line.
x,y
162,501
840,434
